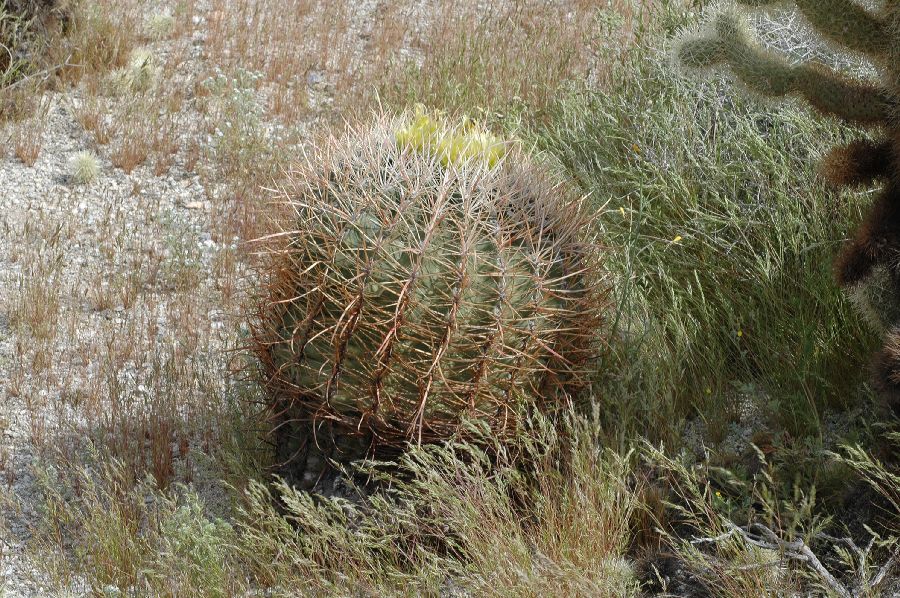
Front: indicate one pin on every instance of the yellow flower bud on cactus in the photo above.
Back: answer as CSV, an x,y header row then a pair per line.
x,y
452,145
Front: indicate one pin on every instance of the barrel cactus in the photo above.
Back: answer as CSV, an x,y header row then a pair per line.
x,y
426,276
870,261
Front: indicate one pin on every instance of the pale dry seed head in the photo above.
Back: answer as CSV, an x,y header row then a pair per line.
x,y
85,167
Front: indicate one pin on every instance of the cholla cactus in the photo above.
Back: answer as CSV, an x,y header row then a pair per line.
x,y
139,75
873,254
410,292
159,25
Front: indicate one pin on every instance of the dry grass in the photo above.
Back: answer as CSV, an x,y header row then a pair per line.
x,y
28,135
125,313
470,56
452,55
99,36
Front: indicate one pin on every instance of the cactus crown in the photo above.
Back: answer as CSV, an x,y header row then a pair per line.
x,y
453,145
416,286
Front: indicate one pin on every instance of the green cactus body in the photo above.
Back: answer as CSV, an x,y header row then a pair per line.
x,y
415,293
870,261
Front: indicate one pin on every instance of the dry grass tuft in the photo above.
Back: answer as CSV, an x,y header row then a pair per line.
x,y
462,55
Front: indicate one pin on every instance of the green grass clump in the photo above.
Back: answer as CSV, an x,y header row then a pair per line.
x,y
13,31
721,235
462,518
871,255
132,537
28,30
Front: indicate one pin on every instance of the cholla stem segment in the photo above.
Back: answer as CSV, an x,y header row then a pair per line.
x,y
859,163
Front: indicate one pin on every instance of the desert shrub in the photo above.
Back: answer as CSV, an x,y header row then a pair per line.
x,y
721,235
24,25
102,533
460,519
486,519
871,31
45,42
735,537
418,283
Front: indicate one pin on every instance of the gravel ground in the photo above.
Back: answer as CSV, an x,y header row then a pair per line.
x,y
36,200
64,250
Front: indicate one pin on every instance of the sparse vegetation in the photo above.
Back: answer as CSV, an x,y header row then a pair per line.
x,y
724,442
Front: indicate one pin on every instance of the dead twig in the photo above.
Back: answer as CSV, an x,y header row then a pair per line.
x,y
43,74
757,534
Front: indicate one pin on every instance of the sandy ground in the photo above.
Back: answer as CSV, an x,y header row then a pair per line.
x,y
125,268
